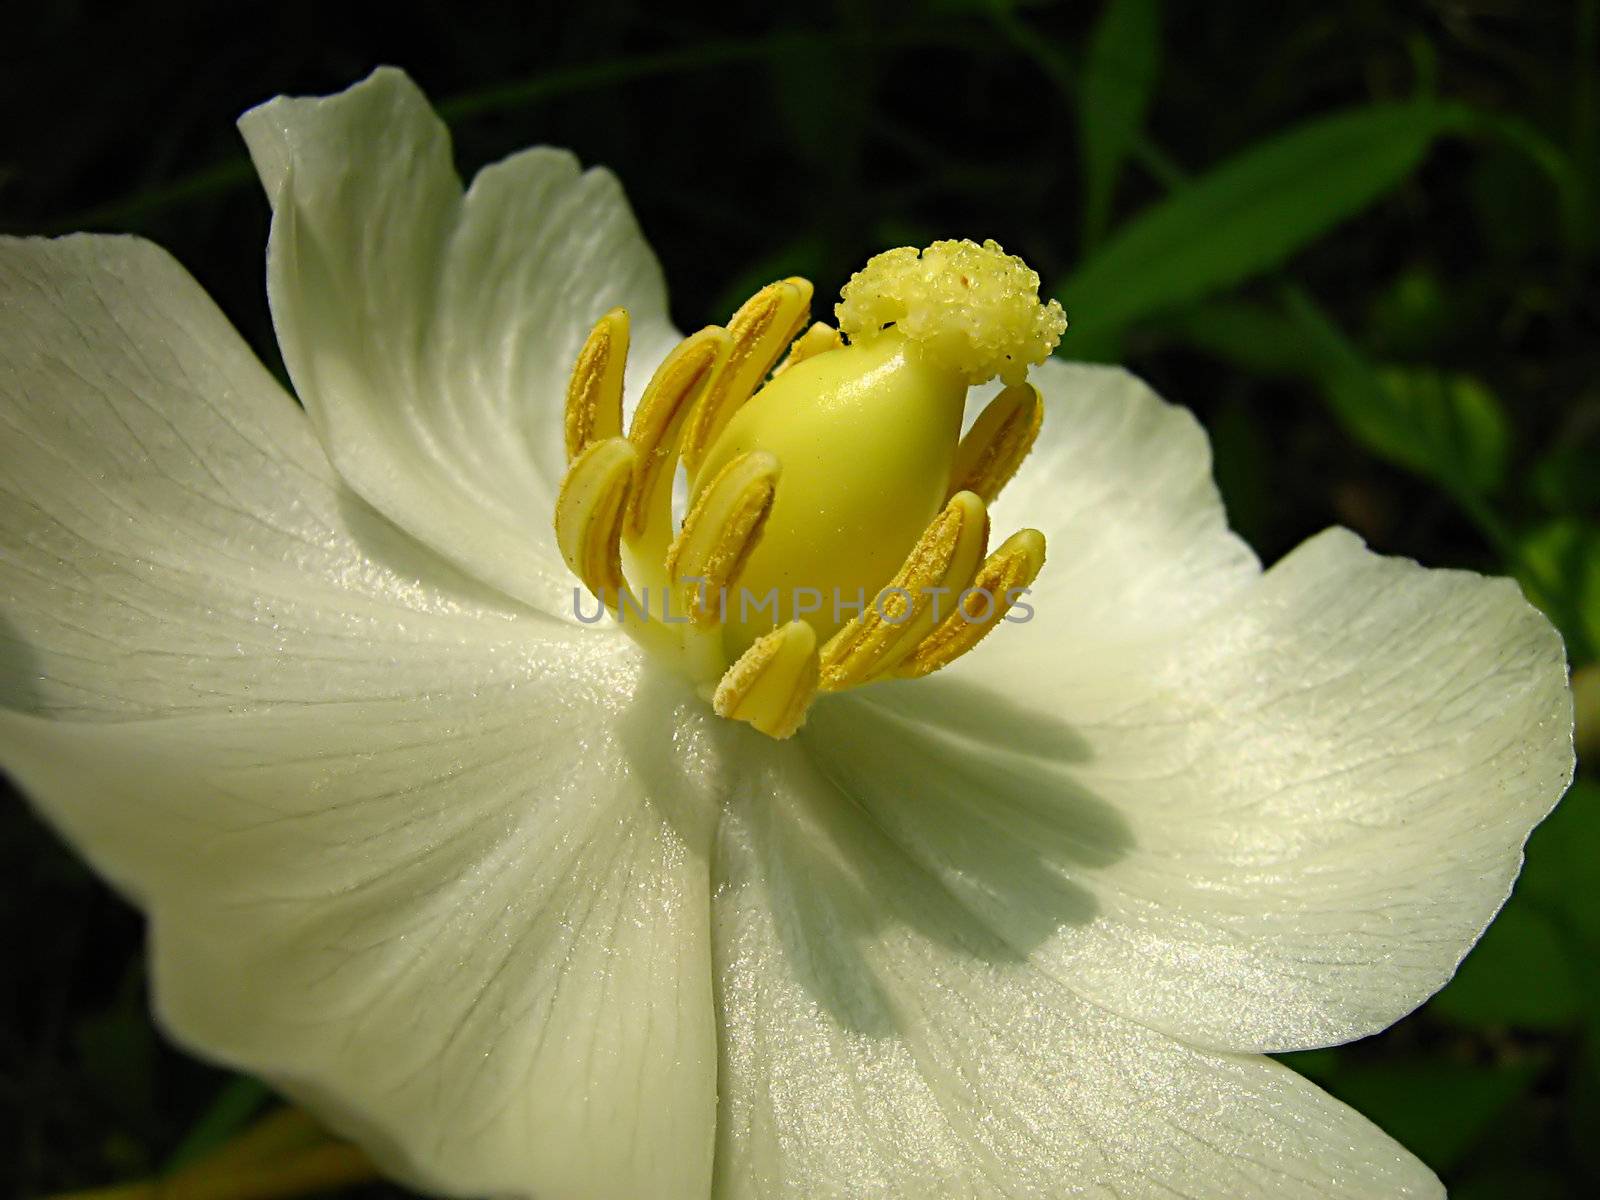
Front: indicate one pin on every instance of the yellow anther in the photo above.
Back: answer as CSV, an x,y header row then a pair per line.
x,y
998,441
997,587
940,565
764,325
819,339
719,533
594,394
589,512
773,683
678,382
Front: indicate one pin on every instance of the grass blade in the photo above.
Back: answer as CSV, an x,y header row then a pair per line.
x,y
1118,81
1248,215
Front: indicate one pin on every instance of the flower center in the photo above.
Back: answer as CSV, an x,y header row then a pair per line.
x,y
838,520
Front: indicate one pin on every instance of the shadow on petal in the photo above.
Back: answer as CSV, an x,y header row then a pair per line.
x,y
948,704
843,830
670,738
21,672
387,546
987,805
836,830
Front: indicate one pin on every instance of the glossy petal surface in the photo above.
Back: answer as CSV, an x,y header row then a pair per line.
x,y
1120,484
402,847
1279,826
877,1041
430,331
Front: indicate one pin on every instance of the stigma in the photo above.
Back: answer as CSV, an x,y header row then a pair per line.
x,y
837,528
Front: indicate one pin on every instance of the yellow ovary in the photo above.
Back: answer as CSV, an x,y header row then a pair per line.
x,y
866,436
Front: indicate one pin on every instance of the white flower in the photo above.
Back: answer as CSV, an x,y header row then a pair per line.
x,y
500,896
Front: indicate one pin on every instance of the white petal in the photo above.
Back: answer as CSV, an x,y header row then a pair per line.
x,y
1280,826
172,537
878,1042
469,929
1120,484
401,853
430,333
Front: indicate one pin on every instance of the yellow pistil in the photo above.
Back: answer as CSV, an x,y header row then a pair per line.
x,y
974,310
838,518
867,437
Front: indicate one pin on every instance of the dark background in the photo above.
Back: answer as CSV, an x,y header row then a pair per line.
x,y
1391,323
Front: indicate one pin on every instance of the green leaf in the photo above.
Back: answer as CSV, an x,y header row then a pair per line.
x,y
117,1048
1240,458
1438,1109
1445,427
1523,971
1315,1065
1523,1182
806,255
239,1100
1416,314
1118,80
1516,976
1559,568
1250,214
1448,428
1559,876
820,91
1254,336
1564,479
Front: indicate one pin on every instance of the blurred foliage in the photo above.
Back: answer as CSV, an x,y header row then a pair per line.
x,y
1359,239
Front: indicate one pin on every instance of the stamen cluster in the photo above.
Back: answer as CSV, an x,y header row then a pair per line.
x,y
614,521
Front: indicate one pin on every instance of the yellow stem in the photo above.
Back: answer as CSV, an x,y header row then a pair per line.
x,y
286,1130
269,1161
